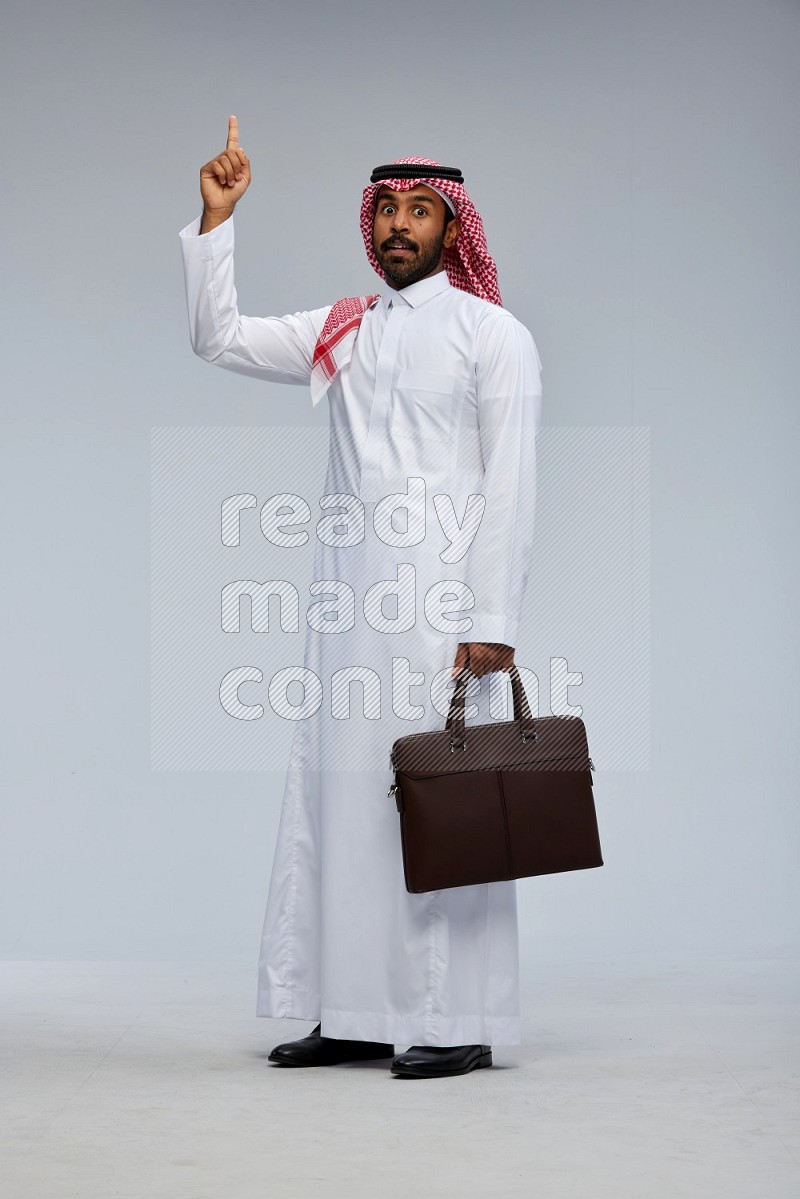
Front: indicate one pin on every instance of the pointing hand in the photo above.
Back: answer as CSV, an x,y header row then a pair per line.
x,y
225,179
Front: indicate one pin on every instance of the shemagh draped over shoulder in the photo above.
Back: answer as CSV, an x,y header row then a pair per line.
x,y
468,263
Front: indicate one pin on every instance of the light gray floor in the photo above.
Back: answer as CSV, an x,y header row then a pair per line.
x,y
636,1079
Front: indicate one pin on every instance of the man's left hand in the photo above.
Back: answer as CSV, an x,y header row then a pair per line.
x,y
483,657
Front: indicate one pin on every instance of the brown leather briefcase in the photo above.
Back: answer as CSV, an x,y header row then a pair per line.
x,y
486,802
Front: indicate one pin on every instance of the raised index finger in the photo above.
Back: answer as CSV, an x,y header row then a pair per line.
x,y
233,133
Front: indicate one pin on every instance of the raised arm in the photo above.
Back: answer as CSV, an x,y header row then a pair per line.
x,y
277,348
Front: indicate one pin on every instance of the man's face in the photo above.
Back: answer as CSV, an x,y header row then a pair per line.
x,y
409,234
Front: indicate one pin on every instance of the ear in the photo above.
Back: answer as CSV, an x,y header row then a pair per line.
x,y
451,232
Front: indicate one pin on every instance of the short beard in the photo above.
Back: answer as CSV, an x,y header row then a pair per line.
x,y
403,274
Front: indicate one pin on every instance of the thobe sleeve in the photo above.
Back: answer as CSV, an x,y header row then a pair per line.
x,y
277,348
509,402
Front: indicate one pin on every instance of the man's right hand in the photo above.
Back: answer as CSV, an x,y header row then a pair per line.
x,y
224,180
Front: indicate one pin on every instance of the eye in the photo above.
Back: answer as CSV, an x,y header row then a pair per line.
x,y
421,211
387,207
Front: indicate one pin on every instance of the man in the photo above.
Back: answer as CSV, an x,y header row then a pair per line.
x,y
434,394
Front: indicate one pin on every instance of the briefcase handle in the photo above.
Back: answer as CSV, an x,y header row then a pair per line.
x,y
455,717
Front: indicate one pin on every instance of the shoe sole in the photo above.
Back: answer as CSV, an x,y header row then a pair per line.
x,y
282,1061
484,1060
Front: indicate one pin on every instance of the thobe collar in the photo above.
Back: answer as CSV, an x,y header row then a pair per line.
x,y
416,293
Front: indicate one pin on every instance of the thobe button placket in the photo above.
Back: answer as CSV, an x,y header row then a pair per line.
x,y
371,488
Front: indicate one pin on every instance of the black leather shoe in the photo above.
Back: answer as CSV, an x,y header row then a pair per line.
x,y
316,1050
436,1061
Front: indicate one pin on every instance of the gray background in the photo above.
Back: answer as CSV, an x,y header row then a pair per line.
x,y
636,165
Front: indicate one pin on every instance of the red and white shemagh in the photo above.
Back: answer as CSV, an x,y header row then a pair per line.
x,y
334,345
468,264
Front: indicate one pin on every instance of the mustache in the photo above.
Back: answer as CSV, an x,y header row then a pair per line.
x,y
398,243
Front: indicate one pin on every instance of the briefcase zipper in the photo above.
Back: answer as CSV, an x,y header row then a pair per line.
x,y
468,728
393,763
485,766
430,732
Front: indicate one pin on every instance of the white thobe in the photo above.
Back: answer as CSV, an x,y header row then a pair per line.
x,y
445,389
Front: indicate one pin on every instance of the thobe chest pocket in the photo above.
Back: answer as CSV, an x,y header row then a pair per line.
x,y
423,404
